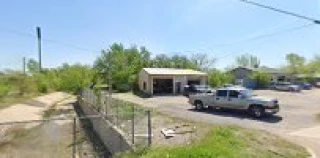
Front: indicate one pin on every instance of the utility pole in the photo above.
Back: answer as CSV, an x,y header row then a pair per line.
x,y
24,65
39,48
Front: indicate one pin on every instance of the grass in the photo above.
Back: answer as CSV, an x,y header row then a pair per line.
x,y
14,99
227,141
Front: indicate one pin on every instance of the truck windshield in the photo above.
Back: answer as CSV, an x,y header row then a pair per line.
x,y
246,93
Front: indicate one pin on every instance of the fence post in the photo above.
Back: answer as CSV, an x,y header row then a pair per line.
x,y
132,123
149,128
117,113
74,138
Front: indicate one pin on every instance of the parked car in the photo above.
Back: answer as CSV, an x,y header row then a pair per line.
x,y
287,86
238,98
304,85
272,85
196,89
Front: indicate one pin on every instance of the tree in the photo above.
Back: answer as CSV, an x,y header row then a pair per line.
x,y
33,66
123,65
217,78
248,60
314,65
202,61
72,78
261,77
161,61
295,63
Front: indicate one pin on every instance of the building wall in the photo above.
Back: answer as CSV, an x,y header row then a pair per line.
x,y
182,79
241,73
144,78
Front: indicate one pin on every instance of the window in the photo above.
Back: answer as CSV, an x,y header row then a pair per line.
x,y
144,85
233,94
222,93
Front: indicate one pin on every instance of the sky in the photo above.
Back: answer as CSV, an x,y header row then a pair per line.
x,y
76,31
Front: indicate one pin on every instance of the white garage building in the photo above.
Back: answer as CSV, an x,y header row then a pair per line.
x,y
169,80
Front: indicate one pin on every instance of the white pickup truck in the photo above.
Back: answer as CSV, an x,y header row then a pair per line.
x,y
236,98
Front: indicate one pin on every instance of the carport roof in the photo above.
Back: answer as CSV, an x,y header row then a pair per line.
x,y
173,71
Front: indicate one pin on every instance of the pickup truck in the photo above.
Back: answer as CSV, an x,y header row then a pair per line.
x,y
238,98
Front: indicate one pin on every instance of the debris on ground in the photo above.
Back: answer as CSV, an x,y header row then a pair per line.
x,y
179,129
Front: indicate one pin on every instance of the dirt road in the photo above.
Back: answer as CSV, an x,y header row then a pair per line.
x,y
32,109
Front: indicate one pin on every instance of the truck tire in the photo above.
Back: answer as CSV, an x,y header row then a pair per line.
x,y
256,111
198,105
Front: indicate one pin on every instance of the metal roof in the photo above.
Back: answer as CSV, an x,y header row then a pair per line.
x,y
263,69
173,71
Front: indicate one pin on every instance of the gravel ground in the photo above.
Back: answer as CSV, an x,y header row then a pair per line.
x,y
296,121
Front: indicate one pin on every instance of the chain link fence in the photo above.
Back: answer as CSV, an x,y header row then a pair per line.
x,y
133,121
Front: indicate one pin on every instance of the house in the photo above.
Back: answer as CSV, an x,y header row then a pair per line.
x,y
169,80
242,75
314,78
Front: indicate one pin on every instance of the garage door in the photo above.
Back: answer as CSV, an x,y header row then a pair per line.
x,y
162,86
193,82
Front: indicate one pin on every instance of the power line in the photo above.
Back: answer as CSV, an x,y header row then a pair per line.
x,y
316,21
47,40
282,31
268,35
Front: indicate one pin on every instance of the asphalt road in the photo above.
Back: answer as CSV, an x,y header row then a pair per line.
x,y
296,120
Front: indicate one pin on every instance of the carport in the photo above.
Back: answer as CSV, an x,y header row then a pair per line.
x,y
168,80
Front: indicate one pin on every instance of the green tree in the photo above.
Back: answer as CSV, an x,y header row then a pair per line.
x,y
72,78
217,78
295,63
314,65
161,61
33,66
122,64
247,60
262,78
5,87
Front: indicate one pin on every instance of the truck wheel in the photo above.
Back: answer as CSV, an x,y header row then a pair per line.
x,y
256,111
198,105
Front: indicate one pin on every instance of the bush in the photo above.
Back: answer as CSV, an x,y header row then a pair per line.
x,y
4,90
262,78
72,78
21,83
42,87
218,78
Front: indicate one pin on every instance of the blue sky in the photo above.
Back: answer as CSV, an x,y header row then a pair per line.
x,y
180,27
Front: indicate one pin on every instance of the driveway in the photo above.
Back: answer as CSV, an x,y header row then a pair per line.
x,y
296,120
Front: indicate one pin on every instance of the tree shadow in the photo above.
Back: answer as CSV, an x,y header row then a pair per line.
x,y
240,114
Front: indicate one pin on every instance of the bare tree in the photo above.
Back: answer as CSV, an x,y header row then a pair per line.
x,y
203,61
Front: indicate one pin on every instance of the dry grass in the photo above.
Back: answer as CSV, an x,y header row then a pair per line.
x,y
14,99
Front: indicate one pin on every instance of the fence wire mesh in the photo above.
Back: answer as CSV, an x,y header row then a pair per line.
x,y
131,119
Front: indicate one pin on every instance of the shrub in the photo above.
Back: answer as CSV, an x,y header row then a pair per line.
x,y
218,78
262,78
72,78
4,90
